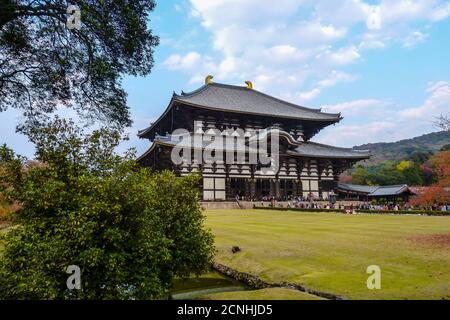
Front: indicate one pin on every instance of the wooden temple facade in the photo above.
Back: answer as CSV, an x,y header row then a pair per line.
x,y
305,170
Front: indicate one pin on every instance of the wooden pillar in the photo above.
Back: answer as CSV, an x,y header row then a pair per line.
x,y
299,188
272,188
253,182
252,189
321,166
228,192
247,188
299,185
277,188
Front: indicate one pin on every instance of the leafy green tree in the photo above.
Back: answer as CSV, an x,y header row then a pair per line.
x,y
413,175
359,175
44,63
420,157
383,173
11,172
130,231
389,173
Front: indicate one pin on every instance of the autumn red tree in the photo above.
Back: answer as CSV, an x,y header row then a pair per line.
x,y
433,196
441,165
439,193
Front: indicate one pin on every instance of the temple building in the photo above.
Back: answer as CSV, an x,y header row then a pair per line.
x,y
305,169
395,193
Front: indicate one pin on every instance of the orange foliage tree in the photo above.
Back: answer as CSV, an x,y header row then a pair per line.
x,y
441,166
434,195
439,193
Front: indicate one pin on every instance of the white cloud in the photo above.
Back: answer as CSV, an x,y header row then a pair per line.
x,y
343,56
373,41
334,78
356,107
414,38
352,135
440,13
372,44
284,45
187,62
309,95
266,42
396,124
343,12
437,103
228,65
395,11
437,86
285,53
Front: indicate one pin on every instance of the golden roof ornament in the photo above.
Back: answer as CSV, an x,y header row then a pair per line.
x,y
249,84
208,79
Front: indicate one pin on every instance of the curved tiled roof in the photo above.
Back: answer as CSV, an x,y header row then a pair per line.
x,y
304,149
357,188
389,190
376,191
311,149
241,99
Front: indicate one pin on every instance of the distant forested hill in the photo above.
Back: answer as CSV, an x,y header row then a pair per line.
x,y
405,149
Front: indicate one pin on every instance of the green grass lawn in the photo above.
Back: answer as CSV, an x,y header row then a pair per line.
x,y
331,252
328,252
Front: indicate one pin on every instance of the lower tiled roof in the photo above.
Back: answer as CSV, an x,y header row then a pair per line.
x,y
375,191
304,149
311,149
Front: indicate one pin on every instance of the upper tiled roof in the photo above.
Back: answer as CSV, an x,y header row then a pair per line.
x,y
241,99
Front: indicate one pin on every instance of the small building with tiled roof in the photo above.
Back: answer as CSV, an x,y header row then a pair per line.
x,y
367,193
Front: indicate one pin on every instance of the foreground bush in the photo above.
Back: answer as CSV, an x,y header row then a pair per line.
x,y
10,178
130,232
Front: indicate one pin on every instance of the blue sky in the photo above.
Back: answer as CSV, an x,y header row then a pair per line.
x,y
383,64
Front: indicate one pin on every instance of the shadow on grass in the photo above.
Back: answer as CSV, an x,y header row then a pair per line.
x,y
205,284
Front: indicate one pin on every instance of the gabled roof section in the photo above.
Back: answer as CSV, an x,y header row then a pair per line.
x,y
313,150
224,97
390,190
357,188
376,191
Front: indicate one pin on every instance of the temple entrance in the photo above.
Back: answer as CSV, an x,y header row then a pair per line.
x,y
288,189
237,187
262,188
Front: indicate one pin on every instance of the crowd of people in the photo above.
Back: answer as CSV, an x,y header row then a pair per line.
x,y
351,207
316,203
287,198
